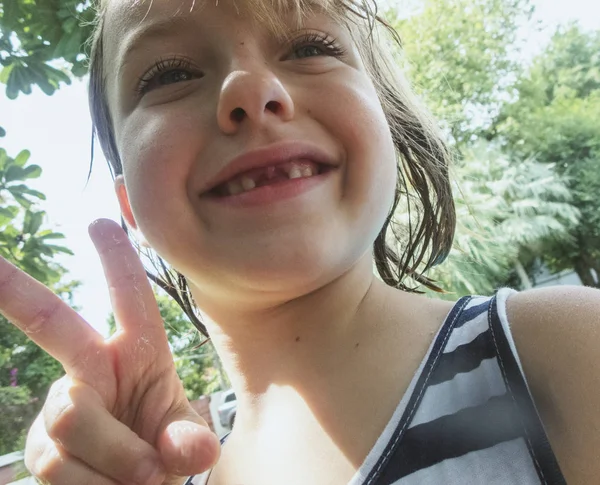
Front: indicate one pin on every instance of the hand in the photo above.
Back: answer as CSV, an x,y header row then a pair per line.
x,y
119,415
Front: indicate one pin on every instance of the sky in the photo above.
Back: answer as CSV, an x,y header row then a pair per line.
x,y
57,130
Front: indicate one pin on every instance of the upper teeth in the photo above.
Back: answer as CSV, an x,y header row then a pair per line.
x,y
295,172
248,181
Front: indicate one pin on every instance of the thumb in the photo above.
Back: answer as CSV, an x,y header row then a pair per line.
x,y
187,446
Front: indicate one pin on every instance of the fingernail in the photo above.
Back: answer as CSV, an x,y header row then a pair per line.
x,y
100,226
105,234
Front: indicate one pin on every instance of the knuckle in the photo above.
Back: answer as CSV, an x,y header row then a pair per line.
x,y
43,317
49,467
64,421
83,358
59,387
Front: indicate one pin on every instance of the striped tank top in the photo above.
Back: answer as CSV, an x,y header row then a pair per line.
x,y
467,417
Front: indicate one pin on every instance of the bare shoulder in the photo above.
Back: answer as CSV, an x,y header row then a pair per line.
x,y
557,334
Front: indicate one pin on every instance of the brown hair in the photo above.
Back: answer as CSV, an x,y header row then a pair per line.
x,y
402,251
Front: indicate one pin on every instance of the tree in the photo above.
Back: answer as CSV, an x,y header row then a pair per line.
x,y
26,371
196,361
555,119
506,212
461,56
42,43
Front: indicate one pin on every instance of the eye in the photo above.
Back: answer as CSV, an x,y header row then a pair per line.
x,y
166,72
309,51
316,44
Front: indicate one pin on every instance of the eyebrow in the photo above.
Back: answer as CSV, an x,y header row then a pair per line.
x,y
166,27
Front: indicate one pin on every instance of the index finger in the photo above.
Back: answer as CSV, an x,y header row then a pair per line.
x,y
45,318
133,301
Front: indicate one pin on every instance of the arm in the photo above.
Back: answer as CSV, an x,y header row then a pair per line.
x,y
557,334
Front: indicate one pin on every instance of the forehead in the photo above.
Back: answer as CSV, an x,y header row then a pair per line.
x,y
123,16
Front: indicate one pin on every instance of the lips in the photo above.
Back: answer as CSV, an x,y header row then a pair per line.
x,y
269,165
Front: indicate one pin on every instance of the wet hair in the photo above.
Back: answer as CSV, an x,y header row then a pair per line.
x,y
406,247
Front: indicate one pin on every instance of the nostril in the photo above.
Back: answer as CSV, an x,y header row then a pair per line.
x,y
238,115
273,107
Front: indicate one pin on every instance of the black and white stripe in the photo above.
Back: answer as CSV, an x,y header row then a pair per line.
x,y
470,418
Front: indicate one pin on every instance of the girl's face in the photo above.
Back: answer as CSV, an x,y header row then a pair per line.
x,y
206,103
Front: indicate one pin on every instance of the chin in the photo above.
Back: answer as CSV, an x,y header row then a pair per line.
x,y
291,272
284,275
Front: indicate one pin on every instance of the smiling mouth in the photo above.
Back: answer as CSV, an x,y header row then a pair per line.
x,y
270,175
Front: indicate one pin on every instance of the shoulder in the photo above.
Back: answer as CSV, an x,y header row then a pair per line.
x,y
577,305
557,335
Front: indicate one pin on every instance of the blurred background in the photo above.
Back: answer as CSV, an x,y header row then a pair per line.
x,y
514,83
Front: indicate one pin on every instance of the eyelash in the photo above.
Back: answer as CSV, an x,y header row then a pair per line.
x,y
328,43
330,46
162,66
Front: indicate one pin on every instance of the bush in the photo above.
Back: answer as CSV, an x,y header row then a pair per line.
x,y
18,412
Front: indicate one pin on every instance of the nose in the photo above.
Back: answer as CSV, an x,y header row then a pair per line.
x,y
252,98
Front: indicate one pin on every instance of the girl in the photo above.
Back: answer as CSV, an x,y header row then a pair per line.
x,y
260,148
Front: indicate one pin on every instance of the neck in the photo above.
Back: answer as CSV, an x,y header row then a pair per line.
x,y
299,344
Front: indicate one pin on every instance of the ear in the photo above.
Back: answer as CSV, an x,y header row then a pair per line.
x,y
123,197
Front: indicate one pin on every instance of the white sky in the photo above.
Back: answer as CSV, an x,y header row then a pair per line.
x,y
57,130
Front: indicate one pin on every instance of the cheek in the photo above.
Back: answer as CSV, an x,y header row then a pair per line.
x,y
157,151
359,121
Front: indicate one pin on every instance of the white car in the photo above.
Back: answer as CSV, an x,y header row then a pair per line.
x,y
227,409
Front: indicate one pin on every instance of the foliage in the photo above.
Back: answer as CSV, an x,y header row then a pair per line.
x,y
197,365
462,56
18,411
555,118
27,244
22,239
506,212
42,43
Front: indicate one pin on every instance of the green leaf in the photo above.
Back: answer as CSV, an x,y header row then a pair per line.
x,y
3,158
48,234
20,199
45,250
7,214
33,193
19,78
12,88
13,173
56,74
40,76
32,172
22,157
60,249
32,222
5,73
2,132
23,190
79,69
